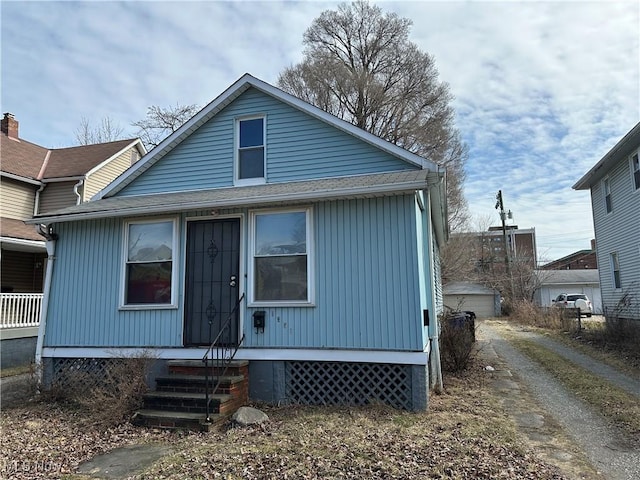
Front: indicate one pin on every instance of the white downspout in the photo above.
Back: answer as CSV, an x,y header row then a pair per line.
x,y
75,190
36,204
434,325
51,250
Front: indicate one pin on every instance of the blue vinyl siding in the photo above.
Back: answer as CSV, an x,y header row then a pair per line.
x,y
366,280
83,310
298,146
366,273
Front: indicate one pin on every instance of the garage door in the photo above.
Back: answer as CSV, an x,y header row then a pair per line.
x,y
482,305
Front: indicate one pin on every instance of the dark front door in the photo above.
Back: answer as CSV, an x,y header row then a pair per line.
x,y
212,281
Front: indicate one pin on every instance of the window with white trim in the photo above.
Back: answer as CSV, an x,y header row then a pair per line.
x,y
250,150
606,186
281,264
635,171
615,270
149,270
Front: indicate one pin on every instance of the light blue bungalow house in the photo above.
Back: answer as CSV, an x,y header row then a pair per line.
x,y
318,240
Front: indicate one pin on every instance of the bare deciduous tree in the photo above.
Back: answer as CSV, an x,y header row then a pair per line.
x,y
162,122
107,131
360,66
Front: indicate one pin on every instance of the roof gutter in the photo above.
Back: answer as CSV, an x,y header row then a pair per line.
x,y
21,179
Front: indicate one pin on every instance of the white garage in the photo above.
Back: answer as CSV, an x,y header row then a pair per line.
x,y
554,282
484,301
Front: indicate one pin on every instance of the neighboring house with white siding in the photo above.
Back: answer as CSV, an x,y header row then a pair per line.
x,y
317,241
35,180
614,183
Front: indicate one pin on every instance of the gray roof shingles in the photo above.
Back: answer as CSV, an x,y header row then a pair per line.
x,y
335,187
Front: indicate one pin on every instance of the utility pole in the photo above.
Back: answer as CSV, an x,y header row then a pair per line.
x,y
503,217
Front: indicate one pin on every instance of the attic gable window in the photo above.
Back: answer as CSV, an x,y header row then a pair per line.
x,y
250,154
149,276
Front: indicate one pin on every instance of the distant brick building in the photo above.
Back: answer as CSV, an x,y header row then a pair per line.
x,y
489,248
580,260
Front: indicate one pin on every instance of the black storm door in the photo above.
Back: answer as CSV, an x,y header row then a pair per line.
x,y
212,281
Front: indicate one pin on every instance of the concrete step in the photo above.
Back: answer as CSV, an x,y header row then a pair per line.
x,y
185,401
176,420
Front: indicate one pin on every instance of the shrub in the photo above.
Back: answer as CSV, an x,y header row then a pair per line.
x,y
110,390
527,313
456,344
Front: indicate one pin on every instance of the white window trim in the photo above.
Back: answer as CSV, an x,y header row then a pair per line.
x,y
236,147
633,180
174,266
606,181
613,270
311,287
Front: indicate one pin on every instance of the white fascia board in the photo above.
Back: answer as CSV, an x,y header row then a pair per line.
x,y
273,354
395,188
133,143
631,138
21,179
22,242
230,94
63,179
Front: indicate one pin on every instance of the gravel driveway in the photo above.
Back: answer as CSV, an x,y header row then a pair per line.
x,y
606,448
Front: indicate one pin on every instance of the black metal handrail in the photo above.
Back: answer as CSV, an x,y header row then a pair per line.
x,y
221,360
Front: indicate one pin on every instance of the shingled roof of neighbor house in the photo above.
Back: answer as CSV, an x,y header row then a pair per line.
x,y
12,228
30,161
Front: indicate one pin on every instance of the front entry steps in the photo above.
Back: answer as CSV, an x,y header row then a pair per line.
x,y
179,398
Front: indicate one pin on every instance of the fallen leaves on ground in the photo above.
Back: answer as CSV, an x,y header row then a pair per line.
x,y
464,434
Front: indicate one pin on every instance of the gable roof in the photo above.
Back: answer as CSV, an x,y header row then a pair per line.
x,y
80,160
620,150
228,96
29,161
358,186
21,158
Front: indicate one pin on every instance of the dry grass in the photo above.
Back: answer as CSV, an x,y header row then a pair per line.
x,y
589,341
465,434
611,402
13,371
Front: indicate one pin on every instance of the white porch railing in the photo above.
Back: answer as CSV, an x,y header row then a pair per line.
x,y
20,309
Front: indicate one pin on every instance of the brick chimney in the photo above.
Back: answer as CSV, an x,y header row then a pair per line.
x,y
9,125
593,244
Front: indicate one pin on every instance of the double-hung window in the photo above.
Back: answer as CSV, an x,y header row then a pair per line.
x,y
251,153
149,270
281,264
607,195
635,171
615,269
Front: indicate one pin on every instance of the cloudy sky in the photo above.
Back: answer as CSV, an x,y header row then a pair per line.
x,y
542,89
